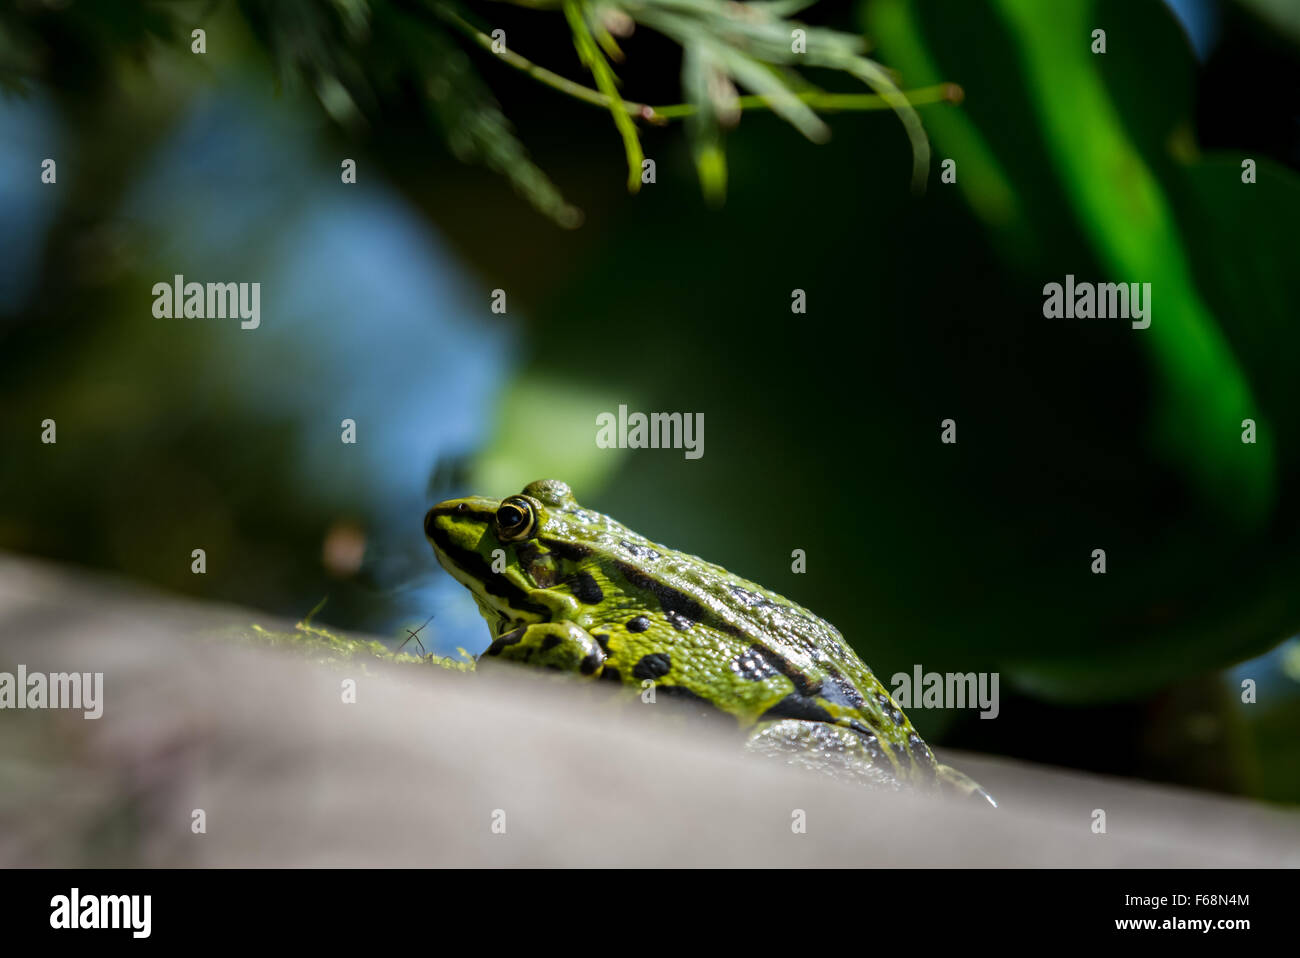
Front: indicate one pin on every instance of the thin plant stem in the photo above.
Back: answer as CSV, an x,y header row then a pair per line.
x,y
828,102
818,100
592,54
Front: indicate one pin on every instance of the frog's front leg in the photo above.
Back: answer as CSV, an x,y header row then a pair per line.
x,y
553,645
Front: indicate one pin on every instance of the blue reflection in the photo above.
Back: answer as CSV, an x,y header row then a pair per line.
x,y
1200,20
1274,673
365,315
30,135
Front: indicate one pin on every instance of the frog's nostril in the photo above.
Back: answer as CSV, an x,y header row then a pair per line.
x,y
461,507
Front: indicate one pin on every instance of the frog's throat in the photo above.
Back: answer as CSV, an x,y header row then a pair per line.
x,y
500,621
500,613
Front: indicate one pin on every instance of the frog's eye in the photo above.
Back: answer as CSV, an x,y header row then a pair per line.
x,y
515,519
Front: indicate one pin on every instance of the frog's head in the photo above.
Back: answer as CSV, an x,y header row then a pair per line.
x,y
517,555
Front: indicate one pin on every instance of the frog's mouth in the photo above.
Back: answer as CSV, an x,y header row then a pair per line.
x,y
498,615
493,597
456,530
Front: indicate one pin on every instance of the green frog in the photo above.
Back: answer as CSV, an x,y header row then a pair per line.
x,y
565,587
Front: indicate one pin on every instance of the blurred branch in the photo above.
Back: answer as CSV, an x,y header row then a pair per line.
x,y
580,14
725,45
360,57
819,100
827,102
541,74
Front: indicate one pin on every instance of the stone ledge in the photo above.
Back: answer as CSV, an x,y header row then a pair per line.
x,y
413,772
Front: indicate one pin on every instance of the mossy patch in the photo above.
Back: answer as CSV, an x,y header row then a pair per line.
x,y
333,648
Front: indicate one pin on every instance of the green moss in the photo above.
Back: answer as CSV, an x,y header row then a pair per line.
x,y
332,648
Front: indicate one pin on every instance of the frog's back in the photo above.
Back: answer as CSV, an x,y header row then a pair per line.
x,y
715,637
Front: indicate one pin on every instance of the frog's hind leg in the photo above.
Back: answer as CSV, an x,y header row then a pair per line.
x,y
848,754
834,750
